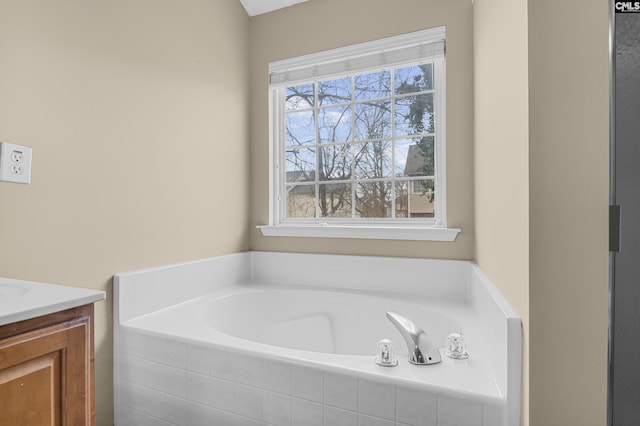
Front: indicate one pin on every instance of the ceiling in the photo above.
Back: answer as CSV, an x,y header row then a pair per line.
x,y
258,7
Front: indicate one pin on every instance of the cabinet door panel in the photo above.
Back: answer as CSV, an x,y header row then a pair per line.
x,y
30,392
44,376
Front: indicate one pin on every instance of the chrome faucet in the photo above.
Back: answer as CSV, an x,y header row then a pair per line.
x,y
421,350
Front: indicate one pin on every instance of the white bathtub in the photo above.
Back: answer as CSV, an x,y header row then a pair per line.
x,y
318,320
289,339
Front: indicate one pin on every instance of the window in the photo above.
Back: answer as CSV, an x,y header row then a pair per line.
x,y
358,141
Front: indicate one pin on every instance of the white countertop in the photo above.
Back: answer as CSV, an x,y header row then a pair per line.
x,y
21,300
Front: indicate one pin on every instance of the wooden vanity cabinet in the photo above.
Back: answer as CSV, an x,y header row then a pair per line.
x,y
46,370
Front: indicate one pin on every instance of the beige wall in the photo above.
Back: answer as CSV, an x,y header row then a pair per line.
x,y
501,155
139,135
325,24
568,162
541,133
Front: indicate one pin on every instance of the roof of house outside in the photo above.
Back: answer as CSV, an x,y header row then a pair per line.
x,y
298,176
415,162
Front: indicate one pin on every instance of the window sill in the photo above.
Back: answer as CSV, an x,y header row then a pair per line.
x,y
379,232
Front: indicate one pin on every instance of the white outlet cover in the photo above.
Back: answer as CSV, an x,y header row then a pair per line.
x,y
15,163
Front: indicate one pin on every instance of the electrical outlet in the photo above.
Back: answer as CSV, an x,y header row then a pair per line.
x,y
15,163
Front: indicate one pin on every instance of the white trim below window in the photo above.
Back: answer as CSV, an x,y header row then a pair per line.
x,y
374,232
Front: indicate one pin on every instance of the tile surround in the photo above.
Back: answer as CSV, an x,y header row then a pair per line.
x,y
308,383
417,408
341,391
170,383
377,399
306,413
223,394
276,376
338,417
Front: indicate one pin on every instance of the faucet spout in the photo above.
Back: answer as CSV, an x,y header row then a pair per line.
x,y
421,350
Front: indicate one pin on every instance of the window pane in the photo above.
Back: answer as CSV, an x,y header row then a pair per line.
x,y
335,162
414,157
373,199
335,200
334,124
415,198
300,128
402,199
300,164
401,153
301,201
359,146
414,115
299,97
373,160
334,91
370,86
373,120
418,78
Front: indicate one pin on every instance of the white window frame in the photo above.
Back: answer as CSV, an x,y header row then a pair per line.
x,y
410,49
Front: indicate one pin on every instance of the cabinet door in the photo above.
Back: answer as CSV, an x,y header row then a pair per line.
x,y
44,376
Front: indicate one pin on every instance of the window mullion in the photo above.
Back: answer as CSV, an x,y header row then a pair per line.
x,y
393,145
353,147
280,178
317,147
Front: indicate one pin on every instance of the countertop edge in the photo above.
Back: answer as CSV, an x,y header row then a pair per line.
x,y
65,302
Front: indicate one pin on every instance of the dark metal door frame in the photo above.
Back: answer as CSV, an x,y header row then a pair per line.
x,y
624,199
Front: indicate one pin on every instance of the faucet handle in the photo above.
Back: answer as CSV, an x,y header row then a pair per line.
x,y
385,355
